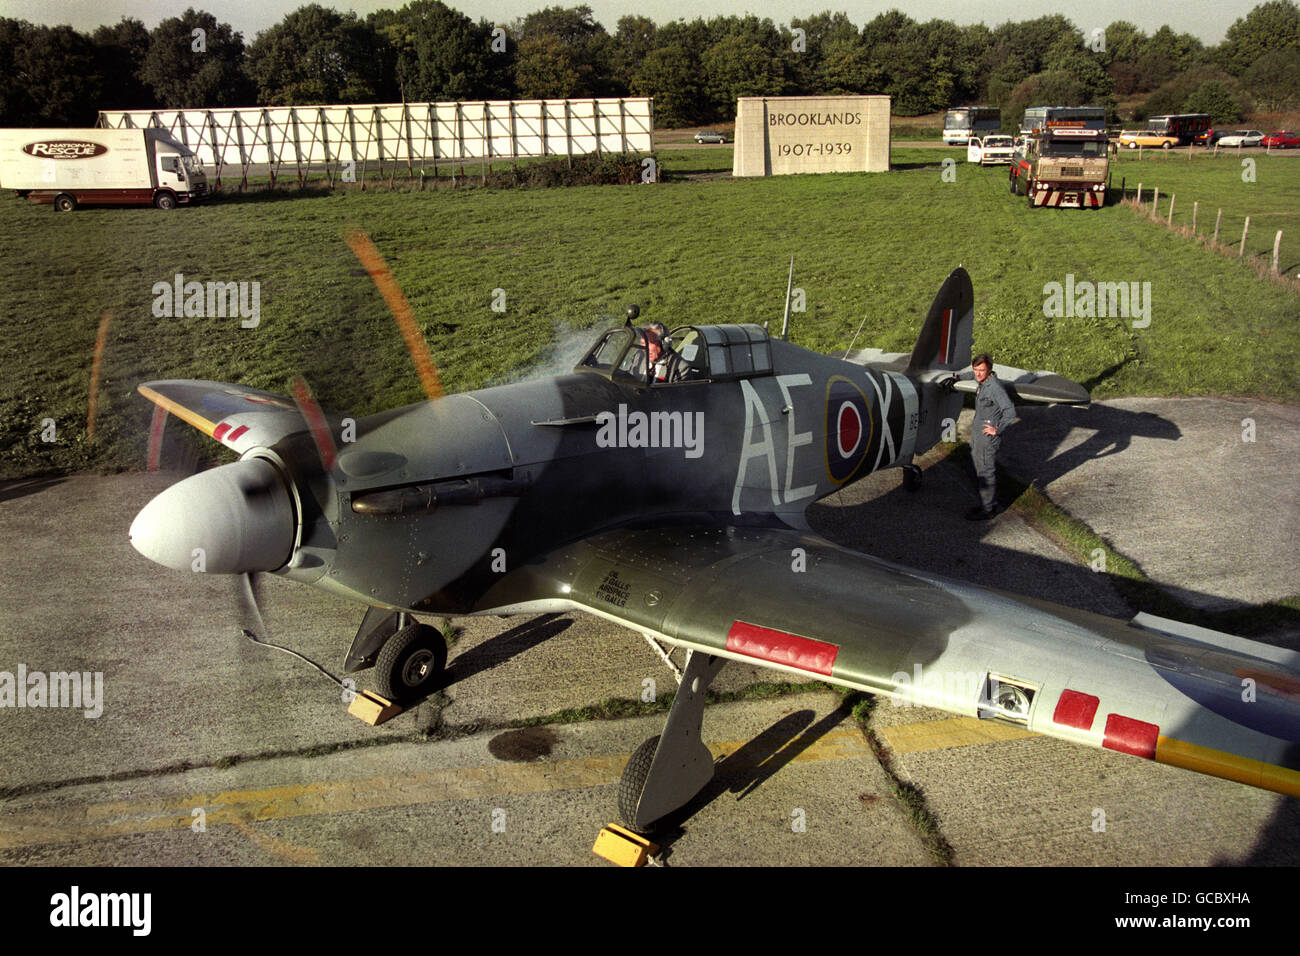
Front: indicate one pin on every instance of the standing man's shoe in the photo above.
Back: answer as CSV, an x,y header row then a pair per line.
x,y
979,513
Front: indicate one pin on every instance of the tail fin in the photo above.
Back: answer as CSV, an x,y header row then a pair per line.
x,y
945,339
943,347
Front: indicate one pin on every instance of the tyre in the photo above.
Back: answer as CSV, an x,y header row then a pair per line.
x,y
411,664
64,203
165,201
1132,145
633,780
1165,144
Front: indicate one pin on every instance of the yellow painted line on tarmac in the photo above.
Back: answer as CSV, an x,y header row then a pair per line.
x,y
943,734
238,808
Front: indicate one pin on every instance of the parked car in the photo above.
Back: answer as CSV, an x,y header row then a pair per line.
x,y
1207,137
990,150
1282,139
1135,138
710,136
1241,137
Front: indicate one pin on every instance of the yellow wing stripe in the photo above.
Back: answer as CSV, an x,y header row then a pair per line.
x,y
1217,763
180,411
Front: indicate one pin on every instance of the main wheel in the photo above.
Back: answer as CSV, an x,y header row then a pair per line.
x,y
632,783
1165,144
410,664
912,477
165,201
64,203
1132,145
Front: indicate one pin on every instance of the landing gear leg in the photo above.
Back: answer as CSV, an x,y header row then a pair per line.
x,y
666,771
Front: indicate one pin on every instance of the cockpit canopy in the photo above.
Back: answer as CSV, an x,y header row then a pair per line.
x,y
692,353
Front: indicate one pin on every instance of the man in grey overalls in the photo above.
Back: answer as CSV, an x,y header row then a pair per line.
x,y
994,413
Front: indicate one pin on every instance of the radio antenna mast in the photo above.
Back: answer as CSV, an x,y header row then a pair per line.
x,y
789,286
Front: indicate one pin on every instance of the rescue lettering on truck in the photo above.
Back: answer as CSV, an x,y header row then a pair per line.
x,y
1062,169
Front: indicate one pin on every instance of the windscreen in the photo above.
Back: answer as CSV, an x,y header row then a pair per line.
x,y
1073,148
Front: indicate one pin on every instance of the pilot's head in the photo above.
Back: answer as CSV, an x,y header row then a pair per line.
x,y
654,339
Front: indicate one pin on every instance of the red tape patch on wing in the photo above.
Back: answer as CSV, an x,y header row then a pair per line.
x,y
778,647
1130,736
1075,710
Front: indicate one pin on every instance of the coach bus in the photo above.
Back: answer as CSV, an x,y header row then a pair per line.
x,y
967,122
1062,118
1182,125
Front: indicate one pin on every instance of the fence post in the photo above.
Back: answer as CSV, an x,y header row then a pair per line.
x,y
1196,207
1277,247
1139,199
1244,229
1217,220
1170,221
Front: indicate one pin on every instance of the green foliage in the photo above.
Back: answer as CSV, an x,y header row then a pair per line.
x,y
1215,98
47,76
1274,79
182,76
562,52
668,74
436,53
694,69
545,67
315,55
119,52
1172,96
608,169
738,66
1268,28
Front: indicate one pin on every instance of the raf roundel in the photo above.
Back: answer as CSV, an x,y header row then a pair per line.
x,y
848,429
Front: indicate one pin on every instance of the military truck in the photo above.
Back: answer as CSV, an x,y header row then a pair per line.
x,y
1062,168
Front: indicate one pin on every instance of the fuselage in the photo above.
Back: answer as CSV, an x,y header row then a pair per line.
x,y
489,479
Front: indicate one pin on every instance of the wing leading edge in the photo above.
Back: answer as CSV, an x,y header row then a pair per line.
x,y
1162,690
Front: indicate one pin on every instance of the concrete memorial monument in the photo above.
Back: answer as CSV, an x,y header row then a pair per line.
x,y
811,134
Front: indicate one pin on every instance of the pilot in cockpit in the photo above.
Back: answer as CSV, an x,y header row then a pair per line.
x,y
659,352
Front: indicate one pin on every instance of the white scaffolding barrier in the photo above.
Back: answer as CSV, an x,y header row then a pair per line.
x,y
409,134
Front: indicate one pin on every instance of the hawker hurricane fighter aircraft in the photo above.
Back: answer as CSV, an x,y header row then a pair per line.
x,y
662,485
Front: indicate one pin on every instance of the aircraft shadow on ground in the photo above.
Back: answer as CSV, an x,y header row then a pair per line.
x,y
21,487
499,649
744,770
1037,445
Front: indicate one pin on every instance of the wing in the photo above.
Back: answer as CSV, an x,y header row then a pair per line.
x,y
238,417
1023,386
1153,688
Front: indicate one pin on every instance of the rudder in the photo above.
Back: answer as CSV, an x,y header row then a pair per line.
x,y
946,336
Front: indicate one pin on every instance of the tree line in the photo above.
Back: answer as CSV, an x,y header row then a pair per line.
x,y
695,70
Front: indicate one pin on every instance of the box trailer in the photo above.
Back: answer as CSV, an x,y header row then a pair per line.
x,y
124,167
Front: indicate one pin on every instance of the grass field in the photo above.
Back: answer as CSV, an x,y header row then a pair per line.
x,y
1266,188
870,250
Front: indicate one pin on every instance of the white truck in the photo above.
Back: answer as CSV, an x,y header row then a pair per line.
x,y
124,167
